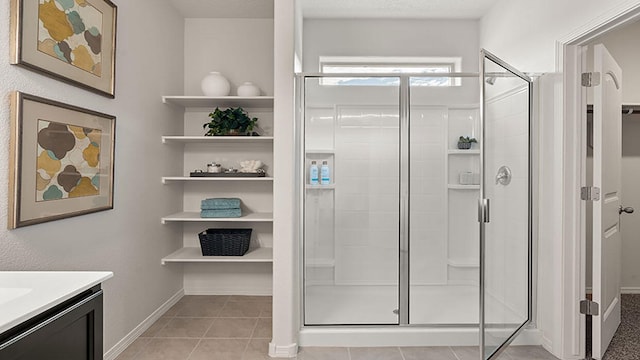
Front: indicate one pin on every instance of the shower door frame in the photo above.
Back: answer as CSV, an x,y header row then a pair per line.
x,y
404,109
483,205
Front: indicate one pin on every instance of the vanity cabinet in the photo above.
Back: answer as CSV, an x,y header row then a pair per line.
x,y
71,330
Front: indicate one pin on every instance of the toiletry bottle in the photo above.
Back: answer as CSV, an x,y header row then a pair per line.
x,y
325,176
313,173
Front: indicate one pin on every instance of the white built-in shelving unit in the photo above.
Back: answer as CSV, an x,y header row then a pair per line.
x,y
221,146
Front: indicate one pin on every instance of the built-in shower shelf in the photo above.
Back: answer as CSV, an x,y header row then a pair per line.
x,y
463,152
319,151
463,263
463,187
320,187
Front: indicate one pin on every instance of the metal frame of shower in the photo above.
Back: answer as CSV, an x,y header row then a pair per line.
x,y
484,54
404,110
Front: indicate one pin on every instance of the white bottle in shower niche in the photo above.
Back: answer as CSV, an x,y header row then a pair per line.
x,y
325,175
313,173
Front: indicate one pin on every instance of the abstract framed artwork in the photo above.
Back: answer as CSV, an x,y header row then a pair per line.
x,y
61,161
71,40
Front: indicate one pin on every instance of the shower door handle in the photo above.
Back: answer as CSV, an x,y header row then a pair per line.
x,y
483,210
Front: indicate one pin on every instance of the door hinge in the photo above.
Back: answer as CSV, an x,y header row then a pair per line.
x,y
588,307
590,79
590,193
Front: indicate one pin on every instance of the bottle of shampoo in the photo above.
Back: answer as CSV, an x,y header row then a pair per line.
x,y
325,176
313,173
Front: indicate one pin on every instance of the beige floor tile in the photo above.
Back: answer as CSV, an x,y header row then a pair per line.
x,y
156,327
168,349
428,353
375,353
472,353
206,298
258,349
232,328
200,309
323,353
134,349
250,298
263,329
240,309
185,328
219,349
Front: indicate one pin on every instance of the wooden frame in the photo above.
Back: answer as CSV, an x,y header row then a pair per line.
x,y
75,43
61,161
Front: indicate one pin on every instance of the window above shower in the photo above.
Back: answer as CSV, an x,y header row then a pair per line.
x,y
351,65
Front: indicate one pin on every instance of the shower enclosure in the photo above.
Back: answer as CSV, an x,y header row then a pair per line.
x,y
408,231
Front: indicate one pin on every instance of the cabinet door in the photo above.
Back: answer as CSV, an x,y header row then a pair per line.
x,y
71,332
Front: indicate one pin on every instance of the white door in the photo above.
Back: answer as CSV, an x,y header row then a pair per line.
x,y
607,153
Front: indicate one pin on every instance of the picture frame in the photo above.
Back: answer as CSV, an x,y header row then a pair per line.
x,y
61,161
70,40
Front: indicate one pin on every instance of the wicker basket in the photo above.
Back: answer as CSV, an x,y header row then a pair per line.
x,y
224,242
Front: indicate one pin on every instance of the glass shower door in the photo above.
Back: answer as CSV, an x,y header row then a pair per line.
x,y
352,217
505,213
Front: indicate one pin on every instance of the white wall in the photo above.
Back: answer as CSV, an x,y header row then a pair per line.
x,y
128,240
240,49
377,37
524,32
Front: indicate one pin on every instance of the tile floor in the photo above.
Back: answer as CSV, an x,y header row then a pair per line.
x,y
239,327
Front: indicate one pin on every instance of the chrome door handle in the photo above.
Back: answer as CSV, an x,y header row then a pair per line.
x,y
628,210
503,176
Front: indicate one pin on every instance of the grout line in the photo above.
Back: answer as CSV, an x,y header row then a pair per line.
x,y
401,353
454,353
194,349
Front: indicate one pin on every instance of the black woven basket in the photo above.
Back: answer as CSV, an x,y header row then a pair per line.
x,y
225,242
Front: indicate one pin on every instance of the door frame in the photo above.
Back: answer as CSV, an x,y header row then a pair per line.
x,y
570,60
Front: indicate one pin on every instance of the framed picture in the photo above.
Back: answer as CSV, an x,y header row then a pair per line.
x,y
70,40
61,161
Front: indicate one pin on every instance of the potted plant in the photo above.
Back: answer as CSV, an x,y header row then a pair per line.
x,y
465,142
231,121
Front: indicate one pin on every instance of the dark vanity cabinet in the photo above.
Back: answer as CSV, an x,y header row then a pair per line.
x,y
69,331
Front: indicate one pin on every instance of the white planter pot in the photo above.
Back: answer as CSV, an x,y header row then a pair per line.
x,y
215,84
248,89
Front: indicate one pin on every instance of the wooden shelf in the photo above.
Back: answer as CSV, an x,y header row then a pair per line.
x,y
463,152
194,216
194,255
214,139
220,101
167,179
463,187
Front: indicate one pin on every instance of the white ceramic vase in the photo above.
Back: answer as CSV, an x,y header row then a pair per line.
x,y
248,89
215,84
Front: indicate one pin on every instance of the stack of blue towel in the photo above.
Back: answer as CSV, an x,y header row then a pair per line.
x,y
220,208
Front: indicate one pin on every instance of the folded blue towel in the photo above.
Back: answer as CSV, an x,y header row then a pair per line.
x,y
223,213
220,203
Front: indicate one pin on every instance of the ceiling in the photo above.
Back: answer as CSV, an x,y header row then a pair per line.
x,y
395,9
405,9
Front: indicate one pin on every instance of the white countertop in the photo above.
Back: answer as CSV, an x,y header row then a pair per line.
x,y
24,294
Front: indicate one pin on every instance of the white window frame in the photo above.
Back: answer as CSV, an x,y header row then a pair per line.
x,y
454,63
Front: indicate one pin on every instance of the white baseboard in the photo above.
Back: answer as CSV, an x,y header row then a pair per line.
x,y
279,351
122,345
